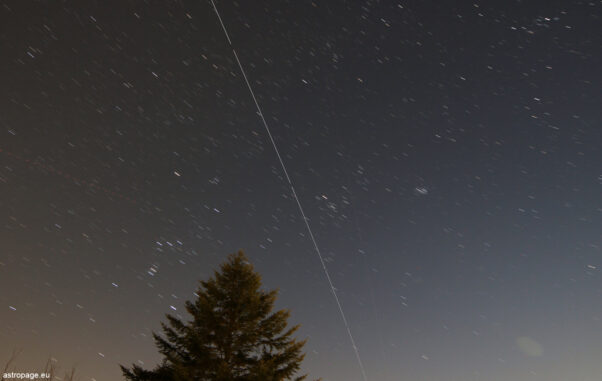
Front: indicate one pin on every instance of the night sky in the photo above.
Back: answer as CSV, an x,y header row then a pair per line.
x,y
448,156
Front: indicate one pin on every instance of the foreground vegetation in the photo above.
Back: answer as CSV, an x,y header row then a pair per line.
x,y
233,335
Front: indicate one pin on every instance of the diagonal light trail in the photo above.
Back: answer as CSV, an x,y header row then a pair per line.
x,y
311,235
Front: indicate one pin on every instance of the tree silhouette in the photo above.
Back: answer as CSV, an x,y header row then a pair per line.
x,y
233,334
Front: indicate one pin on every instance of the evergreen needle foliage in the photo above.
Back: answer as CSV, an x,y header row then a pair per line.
x,y
234,335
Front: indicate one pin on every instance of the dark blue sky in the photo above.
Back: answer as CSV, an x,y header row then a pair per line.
x,y
448,156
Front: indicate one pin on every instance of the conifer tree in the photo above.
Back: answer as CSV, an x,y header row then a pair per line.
x,y
234,335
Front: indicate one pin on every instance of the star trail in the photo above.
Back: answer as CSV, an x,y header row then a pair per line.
x,y
446,161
